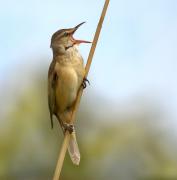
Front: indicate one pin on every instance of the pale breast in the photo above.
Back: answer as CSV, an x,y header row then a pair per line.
x,y
75,60
70,71
67,84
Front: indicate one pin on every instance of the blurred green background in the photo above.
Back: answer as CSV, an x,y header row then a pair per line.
x,y
126,124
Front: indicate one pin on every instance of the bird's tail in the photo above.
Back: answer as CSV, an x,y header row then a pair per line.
x,y
73,149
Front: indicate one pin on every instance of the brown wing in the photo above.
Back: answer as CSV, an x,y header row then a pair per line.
x,y
52,77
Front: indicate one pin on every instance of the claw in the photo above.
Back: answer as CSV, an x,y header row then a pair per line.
x,y
84,83
68,127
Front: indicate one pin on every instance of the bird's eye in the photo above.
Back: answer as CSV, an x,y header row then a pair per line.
x,y
65,34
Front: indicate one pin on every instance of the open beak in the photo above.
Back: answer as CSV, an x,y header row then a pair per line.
x,y
73,30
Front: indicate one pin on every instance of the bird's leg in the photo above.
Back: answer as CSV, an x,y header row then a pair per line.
x,y
68,127
84,83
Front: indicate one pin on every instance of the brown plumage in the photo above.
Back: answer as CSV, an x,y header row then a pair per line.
x,y
65,76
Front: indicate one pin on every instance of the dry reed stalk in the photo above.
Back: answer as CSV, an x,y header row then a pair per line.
x,y
87,68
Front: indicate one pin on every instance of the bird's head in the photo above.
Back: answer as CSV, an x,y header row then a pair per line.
x,y
63,39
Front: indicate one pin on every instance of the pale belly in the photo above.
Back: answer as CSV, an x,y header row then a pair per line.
x,y
67,88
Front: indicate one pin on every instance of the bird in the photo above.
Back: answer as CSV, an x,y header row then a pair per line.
x,y
66,75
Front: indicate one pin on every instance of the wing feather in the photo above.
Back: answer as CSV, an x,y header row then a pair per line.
x,y
52,80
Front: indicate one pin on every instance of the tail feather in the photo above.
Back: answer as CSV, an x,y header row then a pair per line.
x,y
73,149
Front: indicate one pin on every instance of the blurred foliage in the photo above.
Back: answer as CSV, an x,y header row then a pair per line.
x,y
114,148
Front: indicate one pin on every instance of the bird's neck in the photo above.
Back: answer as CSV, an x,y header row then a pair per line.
x,y
69,56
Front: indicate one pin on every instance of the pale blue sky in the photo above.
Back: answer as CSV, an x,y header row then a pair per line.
x,y
136,54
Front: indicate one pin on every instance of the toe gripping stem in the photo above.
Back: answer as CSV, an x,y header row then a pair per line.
x,y
84,83
68,127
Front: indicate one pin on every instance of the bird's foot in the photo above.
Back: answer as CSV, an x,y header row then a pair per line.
x,y
84,83
68,127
